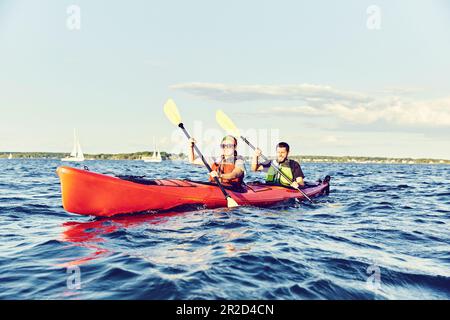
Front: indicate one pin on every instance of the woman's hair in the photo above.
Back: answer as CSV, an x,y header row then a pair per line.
x,y
232,137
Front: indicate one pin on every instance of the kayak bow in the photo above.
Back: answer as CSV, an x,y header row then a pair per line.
x,y
89,193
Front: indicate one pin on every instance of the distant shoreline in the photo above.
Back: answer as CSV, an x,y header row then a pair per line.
x,y
181,156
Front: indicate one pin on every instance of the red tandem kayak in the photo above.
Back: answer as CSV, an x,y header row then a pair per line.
x,y
89,193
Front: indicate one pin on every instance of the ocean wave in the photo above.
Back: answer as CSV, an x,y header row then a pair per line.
x,y
392,218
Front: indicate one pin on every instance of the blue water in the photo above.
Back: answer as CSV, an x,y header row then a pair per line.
x,y
382,233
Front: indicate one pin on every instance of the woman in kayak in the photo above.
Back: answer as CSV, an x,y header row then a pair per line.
x,y
229,167
290,168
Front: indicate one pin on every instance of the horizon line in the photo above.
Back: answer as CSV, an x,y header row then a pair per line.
x,y
293,155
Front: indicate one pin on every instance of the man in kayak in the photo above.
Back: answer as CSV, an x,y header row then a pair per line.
x,y
289,167
229,167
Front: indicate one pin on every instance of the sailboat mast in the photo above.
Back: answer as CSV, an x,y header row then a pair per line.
x,y
79,151
74,149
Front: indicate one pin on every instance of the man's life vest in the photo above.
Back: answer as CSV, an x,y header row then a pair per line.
x,y
274,177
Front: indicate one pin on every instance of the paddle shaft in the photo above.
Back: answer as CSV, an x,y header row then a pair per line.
x,y
276,168
199,153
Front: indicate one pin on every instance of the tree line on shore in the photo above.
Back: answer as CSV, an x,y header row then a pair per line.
x,y
182,156
99,156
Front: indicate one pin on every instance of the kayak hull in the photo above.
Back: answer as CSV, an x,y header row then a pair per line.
x,y
89,193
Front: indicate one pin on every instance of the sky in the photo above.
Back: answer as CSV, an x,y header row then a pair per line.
x,y
359,78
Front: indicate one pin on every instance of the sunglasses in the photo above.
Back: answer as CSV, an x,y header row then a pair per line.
x,y
223,145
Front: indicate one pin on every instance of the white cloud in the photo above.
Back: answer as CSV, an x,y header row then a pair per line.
x,y
394,111
329,139
325,101
402,112
401,91
310,93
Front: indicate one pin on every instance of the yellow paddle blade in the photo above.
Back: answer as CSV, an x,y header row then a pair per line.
x,y
231,203
225,122
171,111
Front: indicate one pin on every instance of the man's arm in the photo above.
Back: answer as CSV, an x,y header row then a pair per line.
x,y
298,174
300,181
255,166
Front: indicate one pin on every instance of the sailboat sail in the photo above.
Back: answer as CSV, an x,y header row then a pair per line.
x,y
77,153
155,155
74,149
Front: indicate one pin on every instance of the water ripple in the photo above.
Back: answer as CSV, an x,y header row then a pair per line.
x,y
391,218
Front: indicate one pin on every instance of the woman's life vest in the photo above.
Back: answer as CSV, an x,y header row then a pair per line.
x,y
222,168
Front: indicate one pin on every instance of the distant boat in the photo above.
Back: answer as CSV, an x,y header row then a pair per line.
x,y
10,156
77,154
155,157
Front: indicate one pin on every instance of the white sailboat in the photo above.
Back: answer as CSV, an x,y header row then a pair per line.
x,y
155,157
10,156
77,154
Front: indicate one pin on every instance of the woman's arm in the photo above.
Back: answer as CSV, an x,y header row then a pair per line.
x,y
191,155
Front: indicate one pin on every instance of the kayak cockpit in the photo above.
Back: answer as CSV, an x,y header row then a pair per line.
x,y
252,186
